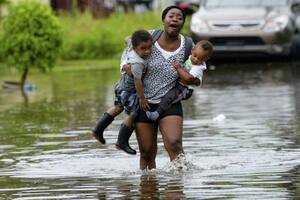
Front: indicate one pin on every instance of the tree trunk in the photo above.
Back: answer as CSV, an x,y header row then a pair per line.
x,y
23,80
25,96
24,77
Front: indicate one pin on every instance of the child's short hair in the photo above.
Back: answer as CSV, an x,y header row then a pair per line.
x,y
206,46
140,36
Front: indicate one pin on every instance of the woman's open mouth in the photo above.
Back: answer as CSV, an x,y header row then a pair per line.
x,y
173,26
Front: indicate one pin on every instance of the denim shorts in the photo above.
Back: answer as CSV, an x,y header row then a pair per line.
x,y
128,100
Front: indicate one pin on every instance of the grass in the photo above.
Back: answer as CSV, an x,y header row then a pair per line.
x,y
73,65
68,65
87,38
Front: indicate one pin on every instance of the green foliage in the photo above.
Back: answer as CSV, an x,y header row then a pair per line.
x,y
1,42
87,38
2,2
31,36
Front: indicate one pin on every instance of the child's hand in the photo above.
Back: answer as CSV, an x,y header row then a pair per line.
x,y
144,71
144,105
127,69
177,65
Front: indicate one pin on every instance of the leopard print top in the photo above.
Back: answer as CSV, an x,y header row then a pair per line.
x,y
161,75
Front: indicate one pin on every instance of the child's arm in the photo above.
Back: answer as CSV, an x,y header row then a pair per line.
x,y
185,76
143,103
137,72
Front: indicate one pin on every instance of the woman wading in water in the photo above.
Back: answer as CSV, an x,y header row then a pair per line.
x,y
161,76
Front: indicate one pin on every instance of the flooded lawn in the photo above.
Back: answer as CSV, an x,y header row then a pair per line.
x,y
241,138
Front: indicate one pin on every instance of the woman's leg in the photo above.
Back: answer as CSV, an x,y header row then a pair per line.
x,y
171,130
146,134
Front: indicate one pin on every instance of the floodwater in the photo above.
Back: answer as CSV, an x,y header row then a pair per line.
x,y
241,138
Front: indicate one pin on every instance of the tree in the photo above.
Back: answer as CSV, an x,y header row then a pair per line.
x,y
32,37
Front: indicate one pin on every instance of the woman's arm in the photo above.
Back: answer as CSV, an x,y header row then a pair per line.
x,y
127,69
185,76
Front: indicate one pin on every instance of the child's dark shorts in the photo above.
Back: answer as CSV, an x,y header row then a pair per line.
x,y
175,109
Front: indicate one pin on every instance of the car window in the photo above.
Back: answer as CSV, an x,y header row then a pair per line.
x,y
245,3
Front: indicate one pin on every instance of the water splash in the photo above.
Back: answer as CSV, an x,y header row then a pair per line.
x,y
180,165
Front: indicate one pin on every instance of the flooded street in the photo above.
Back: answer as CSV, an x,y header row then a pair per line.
x,y
241,138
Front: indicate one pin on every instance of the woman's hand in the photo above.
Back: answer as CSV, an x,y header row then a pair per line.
x,y
127,69
185,76
144,105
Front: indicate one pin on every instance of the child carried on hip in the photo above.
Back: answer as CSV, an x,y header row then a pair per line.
x,y
193,69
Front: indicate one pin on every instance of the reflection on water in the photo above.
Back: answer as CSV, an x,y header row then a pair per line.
x,y
296,82
241,137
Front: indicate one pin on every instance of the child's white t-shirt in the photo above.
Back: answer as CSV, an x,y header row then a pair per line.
x,y
195,70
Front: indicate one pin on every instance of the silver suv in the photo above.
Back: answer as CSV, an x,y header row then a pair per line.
x,y
237,26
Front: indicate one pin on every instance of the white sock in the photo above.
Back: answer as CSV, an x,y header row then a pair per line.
x,y
152,115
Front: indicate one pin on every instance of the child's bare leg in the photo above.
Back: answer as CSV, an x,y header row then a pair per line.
x,y
104,121
129,121
126,129
115,111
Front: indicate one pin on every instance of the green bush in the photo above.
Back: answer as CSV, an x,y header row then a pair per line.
x,y
32,37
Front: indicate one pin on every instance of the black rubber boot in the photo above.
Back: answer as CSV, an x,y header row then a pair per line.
x,y
101,125
123,138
